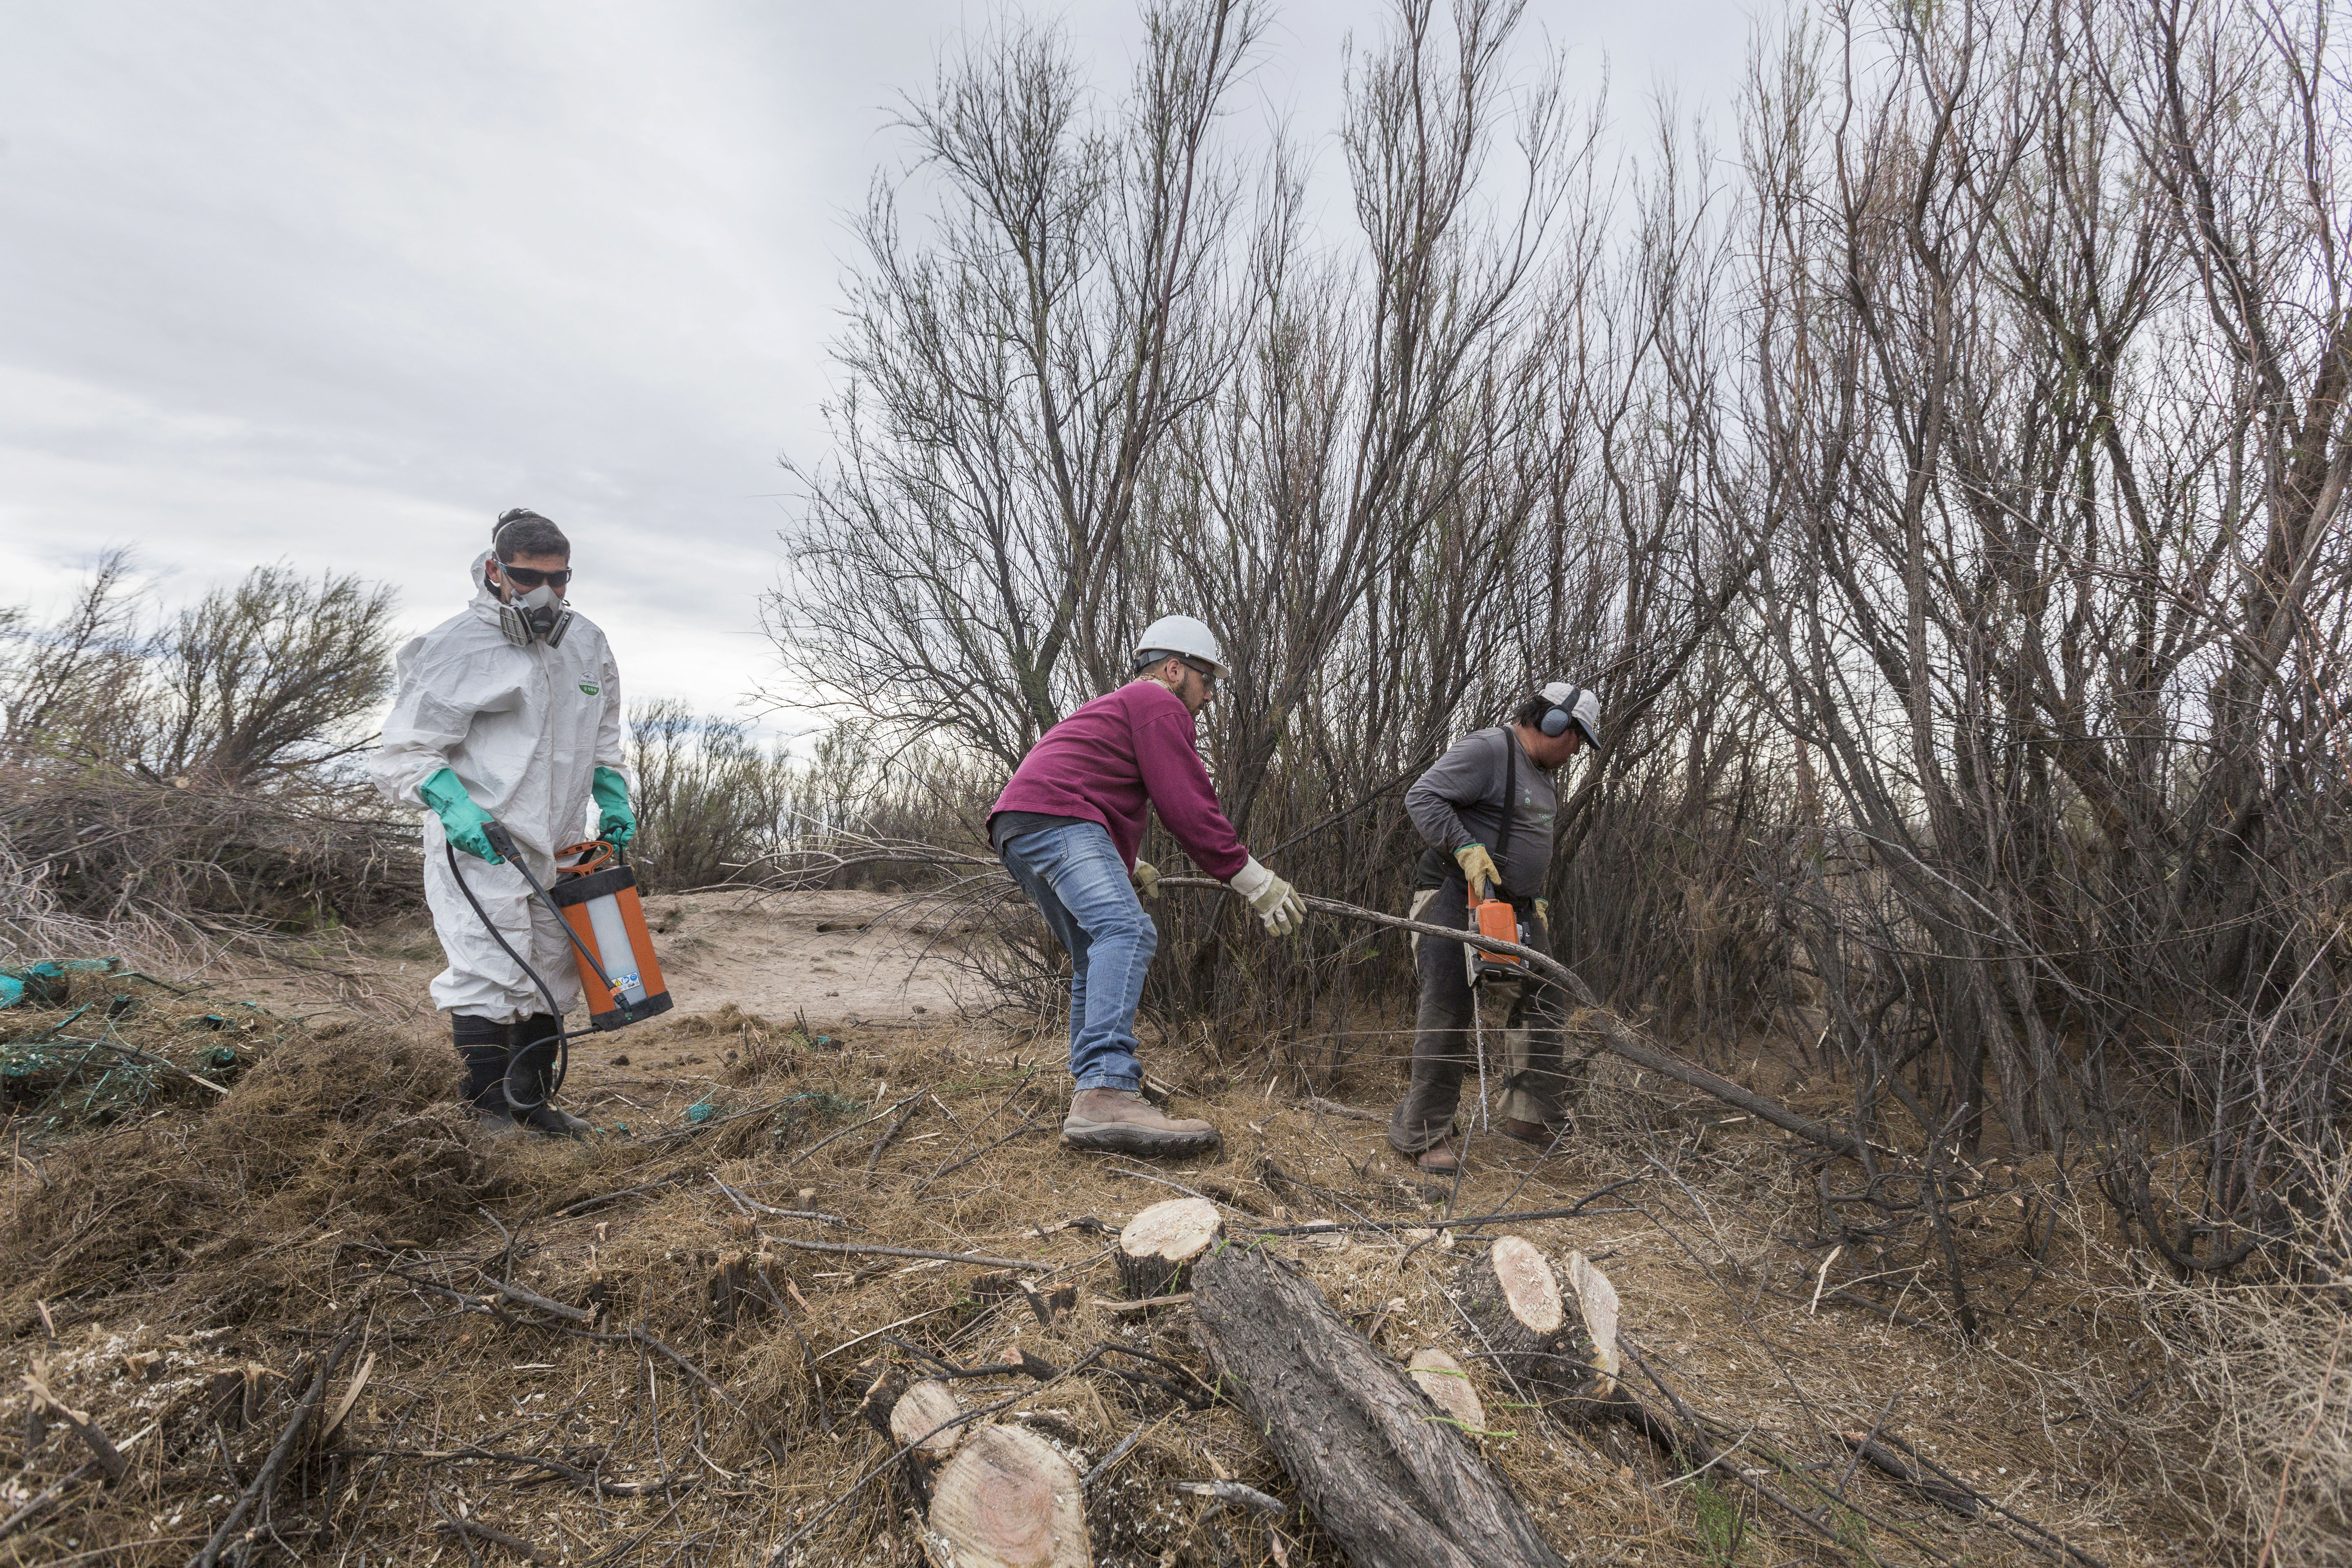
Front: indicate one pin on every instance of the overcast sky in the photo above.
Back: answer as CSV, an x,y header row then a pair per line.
x,y
333,284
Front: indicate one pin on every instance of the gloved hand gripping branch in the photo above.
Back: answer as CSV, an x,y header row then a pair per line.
x,y
1275,901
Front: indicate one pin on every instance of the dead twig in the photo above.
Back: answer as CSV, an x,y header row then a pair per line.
x,y
481,1532
845,1131
265,1480
968,1159
874,1159
103,1453
852,1249
517,1294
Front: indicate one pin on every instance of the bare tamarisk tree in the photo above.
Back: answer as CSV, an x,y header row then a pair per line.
x,y
2049,361
1013,377
1406,471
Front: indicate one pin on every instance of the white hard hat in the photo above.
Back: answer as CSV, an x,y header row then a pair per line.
x,y
1180,635
1571,704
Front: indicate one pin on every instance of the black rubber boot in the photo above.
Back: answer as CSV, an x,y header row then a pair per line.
x,y
484,1046
531,1079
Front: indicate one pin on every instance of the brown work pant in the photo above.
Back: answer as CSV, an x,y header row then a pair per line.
x,y
1526,1053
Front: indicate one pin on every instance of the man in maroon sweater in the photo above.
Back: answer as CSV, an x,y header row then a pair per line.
x,y
1068,826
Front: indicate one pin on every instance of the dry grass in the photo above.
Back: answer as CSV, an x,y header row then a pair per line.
x,y
2263,1361
335,1188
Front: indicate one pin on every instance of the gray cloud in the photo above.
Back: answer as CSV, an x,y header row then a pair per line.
x,y
335,284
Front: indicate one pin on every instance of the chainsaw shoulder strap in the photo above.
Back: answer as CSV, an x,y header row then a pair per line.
x,y
1510,800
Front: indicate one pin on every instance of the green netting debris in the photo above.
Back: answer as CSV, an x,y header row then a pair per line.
x,y
79,1048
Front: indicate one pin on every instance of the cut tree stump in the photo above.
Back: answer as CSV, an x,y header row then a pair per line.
x,y
1578,1383
1512,1296
1008,1500
919,1415
1157,1248
1596,1307
1394,1486
1441,1377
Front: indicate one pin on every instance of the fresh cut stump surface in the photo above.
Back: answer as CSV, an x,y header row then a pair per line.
x,y
1159,1247
1441,1377
1513,1296
1008,1499
919,1420
1394,1487
1590,1370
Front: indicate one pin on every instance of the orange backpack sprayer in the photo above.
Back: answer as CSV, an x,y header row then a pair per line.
x,y
597,896
611,947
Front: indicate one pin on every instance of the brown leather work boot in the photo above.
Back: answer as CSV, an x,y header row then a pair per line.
x,y
1439,1159
1533,1132
1121,1122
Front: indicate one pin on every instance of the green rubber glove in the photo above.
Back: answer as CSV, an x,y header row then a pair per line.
x,y
461,819
618,824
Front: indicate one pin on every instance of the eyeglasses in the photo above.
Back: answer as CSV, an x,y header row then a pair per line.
x,y
1203,670
524,577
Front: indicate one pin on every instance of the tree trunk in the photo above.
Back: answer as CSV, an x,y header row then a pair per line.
x,y
1513,1296
1008,1500
1159,1245
1393,1488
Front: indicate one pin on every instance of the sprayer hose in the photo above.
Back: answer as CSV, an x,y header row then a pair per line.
x,y
562,1038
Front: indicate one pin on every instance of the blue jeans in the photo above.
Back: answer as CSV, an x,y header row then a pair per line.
x,y
1074,877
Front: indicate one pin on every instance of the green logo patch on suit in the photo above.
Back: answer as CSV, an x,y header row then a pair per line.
x,y
590,689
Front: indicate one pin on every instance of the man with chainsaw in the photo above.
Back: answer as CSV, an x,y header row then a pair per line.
x,y
1068,828
1487,809
507,717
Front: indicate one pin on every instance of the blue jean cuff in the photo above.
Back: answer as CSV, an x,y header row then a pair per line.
x,y
1104,1080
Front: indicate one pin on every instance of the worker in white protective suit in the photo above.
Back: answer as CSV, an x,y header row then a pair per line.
x,y
508,715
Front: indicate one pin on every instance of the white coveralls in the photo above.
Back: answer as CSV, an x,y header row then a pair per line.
x,y
525,728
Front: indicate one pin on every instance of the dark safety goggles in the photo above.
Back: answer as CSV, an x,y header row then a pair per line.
x,y
1203,670
524,577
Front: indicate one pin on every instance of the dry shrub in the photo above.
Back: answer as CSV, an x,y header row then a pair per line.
x,y
2267,1366
34,923
192,865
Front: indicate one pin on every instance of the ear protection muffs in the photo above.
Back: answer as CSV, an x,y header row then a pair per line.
x,y
1570,705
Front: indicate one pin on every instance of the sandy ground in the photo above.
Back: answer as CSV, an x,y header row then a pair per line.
x,y
831,959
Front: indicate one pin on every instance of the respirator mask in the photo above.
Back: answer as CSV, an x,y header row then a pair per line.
x,y
536,613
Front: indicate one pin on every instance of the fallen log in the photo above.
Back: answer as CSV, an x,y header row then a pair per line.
x,y
1391,1483
1008,1500
1157,1248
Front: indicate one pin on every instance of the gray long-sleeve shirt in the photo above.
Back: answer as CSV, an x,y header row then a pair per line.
x,y
1459,800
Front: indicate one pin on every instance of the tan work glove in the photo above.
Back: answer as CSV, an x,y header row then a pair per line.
x,y
1277,903
1543,914
1478,869
1146,878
